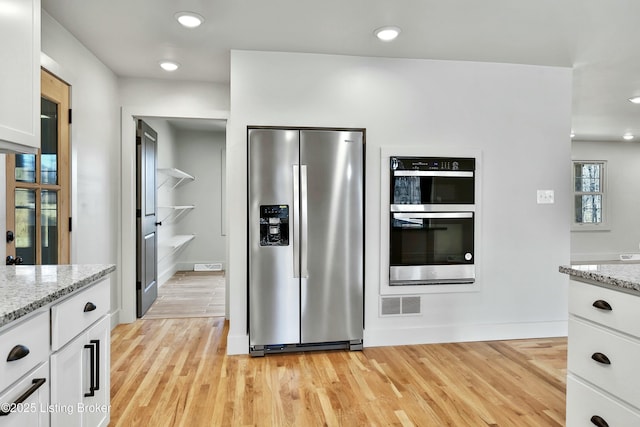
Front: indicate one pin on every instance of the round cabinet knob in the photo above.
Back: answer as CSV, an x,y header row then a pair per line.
x,y
468,256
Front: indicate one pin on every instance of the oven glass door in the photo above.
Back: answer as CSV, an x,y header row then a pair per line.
x,y
432,187
431,238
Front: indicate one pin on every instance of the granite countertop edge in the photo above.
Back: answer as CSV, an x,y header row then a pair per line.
x,y
56,292
626,277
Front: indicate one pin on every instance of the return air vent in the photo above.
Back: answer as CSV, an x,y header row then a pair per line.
x,y
400,306
216,266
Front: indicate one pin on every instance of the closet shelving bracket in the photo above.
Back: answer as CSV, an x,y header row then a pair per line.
x,y
174,173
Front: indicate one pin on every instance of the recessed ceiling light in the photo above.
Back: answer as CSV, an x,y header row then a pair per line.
x,y
572,134
189,19
635,99
388,33
627,136
169,65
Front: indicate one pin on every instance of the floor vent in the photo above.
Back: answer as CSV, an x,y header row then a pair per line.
x,y
400,306
217,266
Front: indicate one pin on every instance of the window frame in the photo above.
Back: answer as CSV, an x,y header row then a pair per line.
x,y
589,226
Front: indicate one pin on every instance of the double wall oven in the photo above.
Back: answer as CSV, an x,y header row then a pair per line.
x,y
432,215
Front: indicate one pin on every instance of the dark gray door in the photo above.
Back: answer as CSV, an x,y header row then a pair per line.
x,y
146,206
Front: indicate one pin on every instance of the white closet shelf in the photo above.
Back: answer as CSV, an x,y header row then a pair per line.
x,y
180,240
176,211
174,173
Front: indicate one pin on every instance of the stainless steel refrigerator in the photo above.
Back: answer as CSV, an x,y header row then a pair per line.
x,y
305,239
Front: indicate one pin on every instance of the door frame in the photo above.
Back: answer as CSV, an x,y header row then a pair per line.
x,y
126,273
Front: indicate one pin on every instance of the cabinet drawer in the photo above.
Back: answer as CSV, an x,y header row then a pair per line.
x,y
621,376
77,313
30,339
33,392
623,315
584,403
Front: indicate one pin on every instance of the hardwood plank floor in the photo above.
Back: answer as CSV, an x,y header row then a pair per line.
x,y
190,294
175,372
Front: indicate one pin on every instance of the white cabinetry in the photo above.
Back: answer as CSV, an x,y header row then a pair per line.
x,y
604,346
80,341
20,75
24,372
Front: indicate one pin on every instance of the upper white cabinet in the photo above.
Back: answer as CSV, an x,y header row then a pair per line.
x,y
20,76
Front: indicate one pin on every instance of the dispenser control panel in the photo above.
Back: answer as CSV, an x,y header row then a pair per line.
x,y
274,225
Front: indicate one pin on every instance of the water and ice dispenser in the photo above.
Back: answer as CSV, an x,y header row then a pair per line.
x,y
274,225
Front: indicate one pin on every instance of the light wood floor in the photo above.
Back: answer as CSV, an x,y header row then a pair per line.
x,y
175,372
190,294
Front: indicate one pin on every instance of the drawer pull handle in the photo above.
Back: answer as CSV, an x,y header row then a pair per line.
x,y
36,384
89,307
602,305
601,358
17,353
94,367
599,421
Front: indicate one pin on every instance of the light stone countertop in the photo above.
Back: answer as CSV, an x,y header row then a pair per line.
x,y
621,276
26,288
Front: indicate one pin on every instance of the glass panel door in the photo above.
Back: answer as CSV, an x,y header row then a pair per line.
x,y
38,190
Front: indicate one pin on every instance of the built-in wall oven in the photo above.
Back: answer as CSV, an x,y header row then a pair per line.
x,y
432,215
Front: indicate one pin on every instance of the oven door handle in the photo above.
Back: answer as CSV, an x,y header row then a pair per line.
x,y
433,215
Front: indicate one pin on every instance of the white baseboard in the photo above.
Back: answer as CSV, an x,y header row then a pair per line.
x,y
440,334
115,318
464,333
167,274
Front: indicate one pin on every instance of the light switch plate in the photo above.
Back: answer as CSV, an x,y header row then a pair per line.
x,y
545,197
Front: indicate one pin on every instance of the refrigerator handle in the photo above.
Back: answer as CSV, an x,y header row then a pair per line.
x,y
296,224
304,237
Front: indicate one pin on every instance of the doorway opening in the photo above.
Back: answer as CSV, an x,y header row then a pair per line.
x,y
191,231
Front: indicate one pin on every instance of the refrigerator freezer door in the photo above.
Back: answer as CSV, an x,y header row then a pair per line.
x,y
333,216
274,292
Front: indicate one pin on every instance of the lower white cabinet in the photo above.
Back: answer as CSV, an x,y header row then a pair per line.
x,y
604,345
80,366
588,406
80,379
26,403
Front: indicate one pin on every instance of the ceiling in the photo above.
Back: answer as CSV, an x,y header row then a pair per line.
x,y
599,39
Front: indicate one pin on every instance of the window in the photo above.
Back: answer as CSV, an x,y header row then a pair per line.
x,y
589,193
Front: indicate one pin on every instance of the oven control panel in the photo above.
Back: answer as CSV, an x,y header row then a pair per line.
x,y
433,163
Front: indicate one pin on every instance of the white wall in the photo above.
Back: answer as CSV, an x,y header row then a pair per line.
x,y
174,97
199,153
623,193
95,146
517,116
